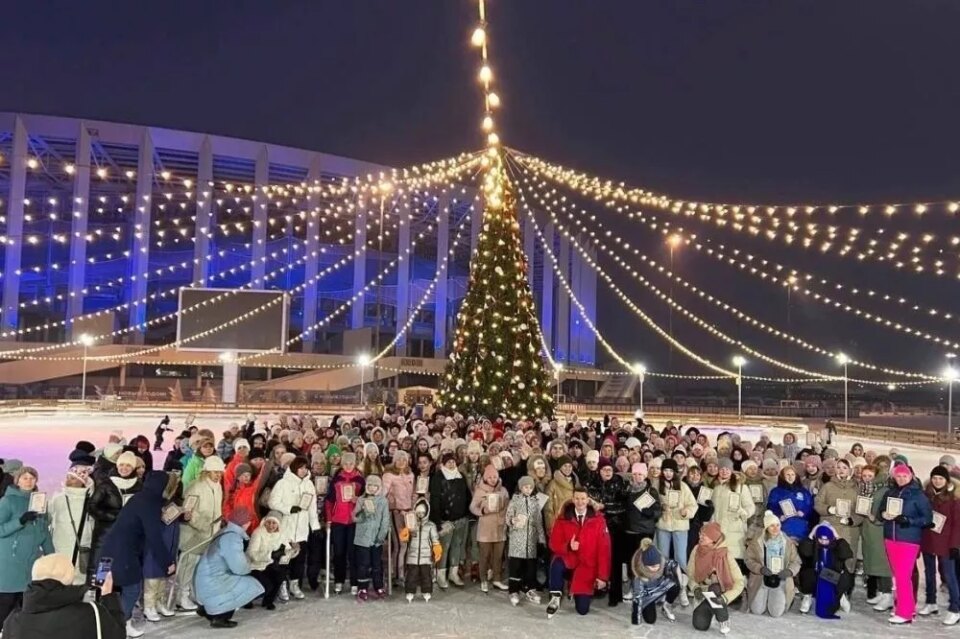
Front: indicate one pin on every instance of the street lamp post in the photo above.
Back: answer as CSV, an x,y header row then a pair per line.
x,y
364,361
641,372
87,340
843,360
739,361
950,374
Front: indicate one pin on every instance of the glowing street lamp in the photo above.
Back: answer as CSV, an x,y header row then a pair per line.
x,y
641,372
843,360
739,361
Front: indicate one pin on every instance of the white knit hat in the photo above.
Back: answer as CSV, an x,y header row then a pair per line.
x,y
213,464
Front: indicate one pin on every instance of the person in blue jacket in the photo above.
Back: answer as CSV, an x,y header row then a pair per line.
x,y
789,488
222,582
902,533
138,528
24,536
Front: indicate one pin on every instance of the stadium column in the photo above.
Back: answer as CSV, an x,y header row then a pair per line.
x,y
359,267
76,278
201,230
576,271
562,349
11,262
140,263
258,251
546,296
440,306
311,253
403,276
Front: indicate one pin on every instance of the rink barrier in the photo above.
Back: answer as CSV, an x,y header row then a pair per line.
x,y
915,437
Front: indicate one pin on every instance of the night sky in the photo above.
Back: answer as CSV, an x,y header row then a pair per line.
x,y
726,100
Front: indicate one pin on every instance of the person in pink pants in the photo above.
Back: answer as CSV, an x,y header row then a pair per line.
x,y
902,531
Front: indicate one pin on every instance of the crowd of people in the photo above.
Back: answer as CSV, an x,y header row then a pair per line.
x,y
585,510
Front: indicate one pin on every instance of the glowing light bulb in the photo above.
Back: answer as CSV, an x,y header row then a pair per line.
x,y
494,101
102,173
487,123
70,169
486,74
479,37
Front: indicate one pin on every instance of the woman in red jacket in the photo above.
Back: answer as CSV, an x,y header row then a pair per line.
x,y
345,486
942,547
580,545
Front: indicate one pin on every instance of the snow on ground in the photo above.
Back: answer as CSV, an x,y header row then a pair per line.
x,y
45,442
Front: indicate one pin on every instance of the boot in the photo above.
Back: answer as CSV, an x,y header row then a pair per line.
x,y
223,623
185,602
442,579
150,614
426,597
284,594
455,576
684,599
724,627
132,632
484,586
806,603
928,609
885,603
951,619
295,591
668,611
533,597
554,606
499,585
410,596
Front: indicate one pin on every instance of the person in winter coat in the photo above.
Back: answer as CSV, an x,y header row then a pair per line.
x,y
609,496
372,515
773,562
345,486
54,607
423,550
812,478
713,569
796,524
733,508
704,513
200,524
876,568
241,455
114,485
205,447
657,584
836,503
398,486
265,549
155,572
580,545
295,497
525,535
942,546
825,575
449,507
71,527
559,490
539,471
678,507
902,534
222,581
23,537
138,528
489,505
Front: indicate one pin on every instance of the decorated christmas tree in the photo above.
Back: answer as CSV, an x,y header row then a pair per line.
x,y
496,366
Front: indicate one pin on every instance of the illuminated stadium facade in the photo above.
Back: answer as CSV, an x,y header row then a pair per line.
x,y
99,220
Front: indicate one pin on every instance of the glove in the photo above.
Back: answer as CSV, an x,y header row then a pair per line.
x,y
295,510
955,553
766,572
785,574
903,521
28,517
831,510
404,535
437,553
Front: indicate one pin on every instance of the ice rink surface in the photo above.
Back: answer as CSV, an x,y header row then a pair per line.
x,y
45,442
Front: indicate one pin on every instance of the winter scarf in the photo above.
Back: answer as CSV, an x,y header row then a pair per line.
x,y
450,475
775,547
713,559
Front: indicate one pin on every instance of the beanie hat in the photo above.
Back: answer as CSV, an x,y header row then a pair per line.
x,y
348,458
826,531
374,481
656,462
85,446
769,519
56,567
650,556
940,471
275,515
948,460
639,467
830,453
564,459
243,468
901,469
726,462
747,464
213,464
287,458
770,464
669,464
241,443
112,451
127,458
633,442
401,455
526,480
332,450
474,447
605,463
712,531
813,460
593,456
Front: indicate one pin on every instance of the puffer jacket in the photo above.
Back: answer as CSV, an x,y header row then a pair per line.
x,y
648,591
449,498
20,544
51,609
677,518
794,527
522,541
422,539
339,511
917,510
372,528
398,489
947,503
559,492
541,478
263,544
204,518
642,522
222,582
106,501
67,511
491,526
733,523
613,495
287,493
826,499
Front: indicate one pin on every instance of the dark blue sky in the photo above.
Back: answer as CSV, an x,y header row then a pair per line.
x,y
728,99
